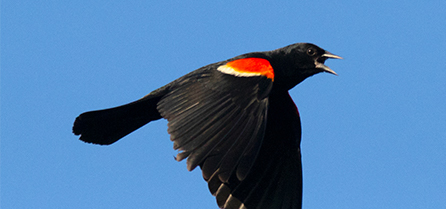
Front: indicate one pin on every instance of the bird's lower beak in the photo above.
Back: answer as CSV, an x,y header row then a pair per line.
x,y
320,62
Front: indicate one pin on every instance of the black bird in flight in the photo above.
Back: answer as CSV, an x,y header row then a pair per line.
x,y
235,119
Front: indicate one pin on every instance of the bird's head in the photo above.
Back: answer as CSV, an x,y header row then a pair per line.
x,y
294,63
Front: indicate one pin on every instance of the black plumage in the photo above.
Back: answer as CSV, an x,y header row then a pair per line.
x,y
234,119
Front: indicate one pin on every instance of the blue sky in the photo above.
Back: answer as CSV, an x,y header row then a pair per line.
x,y
373,137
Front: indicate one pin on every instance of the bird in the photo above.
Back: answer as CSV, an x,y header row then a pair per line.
x,y
235,119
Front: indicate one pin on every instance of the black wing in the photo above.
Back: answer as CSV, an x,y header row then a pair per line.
x,y
275,180
217,121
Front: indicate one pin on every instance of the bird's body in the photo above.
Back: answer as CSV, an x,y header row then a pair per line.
x,y
234,119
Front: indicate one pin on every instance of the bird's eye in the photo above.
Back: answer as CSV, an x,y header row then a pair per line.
x,y
311,51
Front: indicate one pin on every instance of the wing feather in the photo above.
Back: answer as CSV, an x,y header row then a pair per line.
x,y
243,135
216,118
275,180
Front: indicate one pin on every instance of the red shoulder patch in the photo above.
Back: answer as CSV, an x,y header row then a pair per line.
x,y
248,67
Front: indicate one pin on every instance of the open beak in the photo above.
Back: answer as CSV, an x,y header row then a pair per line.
x,y
320,62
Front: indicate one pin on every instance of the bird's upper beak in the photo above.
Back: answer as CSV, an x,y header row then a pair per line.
x,y
320,62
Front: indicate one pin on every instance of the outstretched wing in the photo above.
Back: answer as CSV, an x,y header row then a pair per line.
x,y
217,116
275,180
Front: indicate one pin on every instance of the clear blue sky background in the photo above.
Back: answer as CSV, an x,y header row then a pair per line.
x,y
373,137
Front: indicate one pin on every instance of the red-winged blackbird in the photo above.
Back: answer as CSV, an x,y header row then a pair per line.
x,y
234,119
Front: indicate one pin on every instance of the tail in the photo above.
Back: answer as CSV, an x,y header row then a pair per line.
x,y
108,126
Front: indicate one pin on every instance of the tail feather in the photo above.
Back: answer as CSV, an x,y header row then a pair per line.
x,y
109,125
